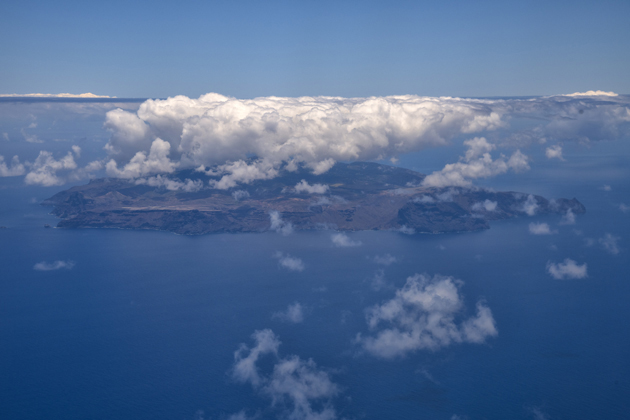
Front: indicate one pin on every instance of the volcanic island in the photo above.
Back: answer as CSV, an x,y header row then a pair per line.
x,y
348,197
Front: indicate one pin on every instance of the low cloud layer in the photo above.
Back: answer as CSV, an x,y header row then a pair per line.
x,y
423,315
568,269
298,389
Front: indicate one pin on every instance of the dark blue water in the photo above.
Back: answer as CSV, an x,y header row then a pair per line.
x,y
145,325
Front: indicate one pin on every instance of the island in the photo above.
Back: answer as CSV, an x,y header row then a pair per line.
x,y
348,197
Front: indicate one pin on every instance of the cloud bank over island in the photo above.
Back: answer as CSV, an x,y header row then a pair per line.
x,y
242,140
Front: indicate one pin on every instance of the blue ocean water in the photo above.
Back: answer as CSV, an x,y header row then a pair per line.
x,y
145,324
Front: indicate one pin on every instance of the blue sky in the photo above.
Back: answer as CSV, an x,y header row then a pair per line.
x,y
351,49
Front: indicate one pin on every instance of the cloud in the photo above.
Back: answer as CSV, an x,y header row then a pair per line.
x,y
554,152
424,199
141,165
423,316
609,242
568,269
386,259
317,131
279,225
304,187
241,415
343,240
530,206
289,262
568,218
57,265
30,138
487,205
377,282
53,95
16,168
606,187
540,229
242,172
538,414
406,230
245,369
160,181
240,195
624,208
294,314
296,387
592,93
477,163
44,170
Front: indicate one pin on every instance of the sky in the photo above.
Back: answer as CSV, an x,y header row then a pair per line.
x,y
252,49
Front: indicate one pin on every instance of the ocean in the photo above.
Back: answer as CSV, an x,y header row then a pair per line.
x,y
128,325
144,324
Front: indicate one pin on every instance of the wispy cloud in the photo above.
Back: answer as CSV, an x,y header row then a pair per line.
x,y
56,265
609,242
293,314
279,225
385,259
298,388
342,240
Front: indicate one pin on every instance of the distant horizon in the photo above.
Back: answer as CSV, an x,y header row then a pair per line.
x,y
43,97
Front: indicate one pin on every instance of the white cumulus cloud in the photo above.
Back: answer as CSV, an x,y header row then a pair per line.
x,y
16,168
554,152
317,131
160,181
44,170
423,315
568,269
540,229
141,165
304,187
289,262
477,163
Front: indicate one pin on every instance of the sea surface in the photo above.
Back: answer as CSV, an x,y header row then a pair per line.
x,y
144,325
